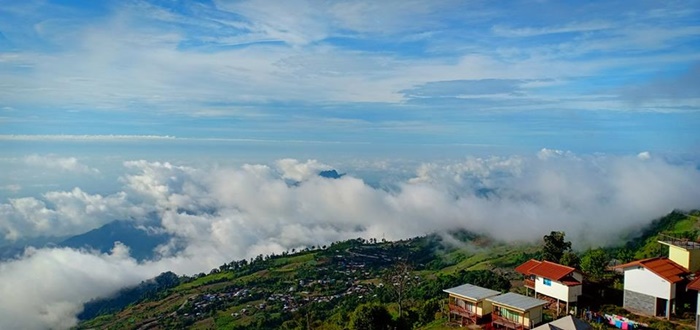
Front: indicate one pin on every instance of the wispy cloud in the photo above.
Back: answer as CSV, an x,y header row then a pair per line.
x,y
574,27
176,59
53,162
24,137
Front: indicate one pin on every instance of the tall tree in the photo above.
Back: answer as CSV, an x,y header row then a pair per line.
x,y
399,279
571,259
555,246
594,263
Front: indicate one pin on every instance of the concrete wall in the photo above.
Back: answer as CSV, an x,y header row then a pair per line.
x,y
574,292
679,255
533,318
487,307
554,290
694,264
644,281
639,302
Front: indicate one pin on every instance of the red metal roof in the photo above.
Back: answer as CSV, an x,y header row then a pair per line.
x,y
570,281
661,266
527,266
695,284
552,271
546,269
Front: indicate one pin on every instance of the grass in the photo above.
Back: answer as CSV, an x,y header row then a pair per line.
x,y
219,277
437,325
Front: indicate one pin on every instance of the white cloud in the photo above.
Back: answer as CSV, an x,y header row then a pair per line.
x,y
24,137
46,287
64,213
53,162
138,56
576,27
545,153
14,188
644,155
225,213
294,170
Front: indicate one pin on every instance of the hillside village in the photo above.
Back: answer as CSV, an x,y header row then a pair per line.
x,y
424,283
653,287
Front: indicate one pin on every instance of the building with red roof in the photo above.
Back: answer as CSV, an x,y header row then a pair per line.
x,y
651,285
553,280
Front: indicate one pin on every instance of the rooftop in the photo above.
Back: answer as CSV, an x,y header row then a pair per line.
x,y
517,301
565,323
695,284
527,266
678,241
661,266
546,269
472,292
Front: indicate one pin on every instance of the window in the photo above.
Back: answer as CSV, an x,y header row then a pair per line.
x,y
510,315
547,282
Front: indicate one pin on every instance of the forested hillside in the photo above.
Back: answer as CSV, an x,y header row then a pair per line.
x,y
346,283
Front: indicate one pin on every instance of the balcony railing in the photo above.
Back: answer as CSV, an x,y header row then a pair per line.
x,y
461,311
496,319
529,283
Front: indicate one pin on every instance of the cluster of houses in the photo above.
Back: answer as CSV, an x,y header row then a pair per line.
x,y
651,287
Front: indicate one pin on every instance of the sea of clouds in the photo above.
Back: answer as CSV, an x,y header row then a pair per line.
x,y
217,214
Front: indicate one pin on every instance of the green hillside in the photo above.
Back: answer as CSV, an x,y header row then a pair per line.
x,y
645,244
322,287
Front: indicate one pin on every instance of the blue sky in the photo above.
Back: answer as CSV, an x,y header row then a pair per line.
x,y
217,116
516,76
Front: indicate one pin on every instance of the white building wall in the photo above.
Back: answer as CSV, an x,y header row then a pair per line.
x,y
554,290
645,281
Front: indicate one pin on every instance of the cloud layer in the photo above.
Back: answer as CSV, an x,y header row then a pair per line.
x,y
221,214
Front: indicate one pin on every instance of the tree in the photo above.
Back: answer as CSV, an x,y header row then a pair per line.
x,y
426,313
625,255
555,246
370,317
399,280
485,278
570,259
594,263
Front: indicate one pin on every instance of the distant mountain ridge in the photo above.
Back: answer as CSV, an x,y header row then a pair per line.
x,y
142,237
330,174
141,242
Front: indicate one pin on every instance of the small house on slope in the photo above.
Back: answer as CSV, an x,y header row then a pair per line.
x,y
515,311
559,282
651,285
468,303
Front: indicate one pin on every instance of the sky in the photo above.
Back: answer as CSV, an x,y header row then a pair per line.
x,y
605,76
216,116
